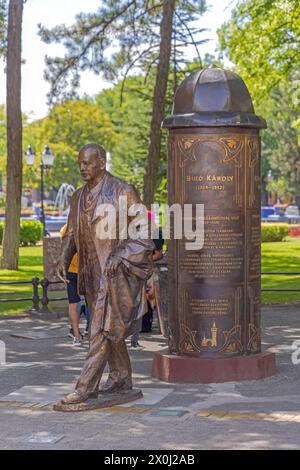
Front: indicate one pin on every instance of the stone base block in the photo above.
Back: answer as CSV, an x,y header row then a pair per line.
x,y
184,369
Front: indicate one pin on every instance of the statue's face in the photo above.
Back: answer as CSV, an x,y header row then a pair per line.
x,y
90,165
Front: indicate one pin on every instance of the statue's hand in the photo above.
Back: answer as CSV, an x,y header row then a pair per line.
x,y
61,272
112,266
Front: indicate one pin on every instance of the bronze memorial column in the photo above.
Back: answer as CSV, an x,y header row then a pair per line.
x,y
214,309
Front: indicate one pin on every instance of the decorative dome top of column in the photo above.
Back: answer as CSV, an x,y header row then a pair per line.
x,y
213,97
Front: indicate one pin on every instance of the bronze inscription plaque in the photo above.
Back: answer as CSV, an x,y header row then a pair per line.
x,y
216,308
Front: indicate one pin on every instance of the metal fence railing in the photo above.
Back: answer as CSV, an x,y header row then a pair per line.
x,y
39,302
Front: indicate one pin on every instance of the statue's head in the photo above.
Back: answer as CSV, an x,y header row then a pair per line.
x,y
92,161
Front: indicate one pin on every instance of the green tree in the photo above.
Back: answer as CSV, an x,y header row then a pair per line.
x,y
262,39
10,254
279,187
3,8
66,129
280,149
131,121
131,117
145,35
159,101
3,149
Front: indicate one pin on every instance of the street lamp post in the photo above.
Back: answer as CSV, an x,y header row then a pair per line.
x,y
47,161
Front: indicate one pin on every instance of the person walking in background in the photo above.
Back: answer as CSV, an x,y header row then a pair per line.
x,y
73,298
151,291
145,323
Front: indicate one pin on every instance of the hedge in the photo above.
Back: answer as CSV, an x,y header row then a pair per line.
x,y
31,231
271,232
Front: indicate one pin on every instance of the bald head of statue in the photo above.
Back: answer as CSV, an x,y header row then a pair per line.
x,y
92,163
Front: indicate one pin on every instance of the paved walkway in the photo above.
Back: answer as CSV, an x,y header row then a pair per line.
x,y
42,366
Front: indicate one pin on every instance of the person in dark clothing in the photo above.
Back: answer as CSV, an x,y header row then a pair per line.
x,y
147,319
157,255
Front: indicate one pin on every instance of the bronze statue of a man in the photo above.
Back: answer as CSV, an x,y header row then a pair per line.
x,y
112,274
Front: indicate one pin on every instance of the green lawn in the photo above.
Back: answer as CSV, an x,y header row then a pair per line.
x,y
279,256
30,265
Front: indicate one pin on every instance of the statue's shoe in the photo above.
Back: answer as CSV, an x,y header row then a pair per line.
x,y
116,387
77,397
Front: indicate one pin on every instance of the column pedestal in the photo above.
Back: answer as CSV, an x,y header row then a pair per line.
x,y
184,369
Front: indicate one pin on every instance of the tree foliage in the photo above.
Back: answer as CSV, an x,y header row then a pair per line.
x,y
130,109
3,14
66,129
262,39
131,121
121,37
122,128
118,117
281,151
117,40
280,187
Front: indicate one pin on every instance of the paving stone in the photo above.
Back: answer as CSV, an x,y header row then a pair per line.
x,y
43,439
261,414
175,413
61,333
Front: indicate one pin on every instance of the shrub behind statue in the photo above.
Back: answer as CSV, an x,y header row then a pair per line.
x,y
31,232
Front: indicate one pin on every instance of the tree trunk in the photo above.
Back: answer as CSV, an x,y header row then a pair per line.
x,y
152,165
11,234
